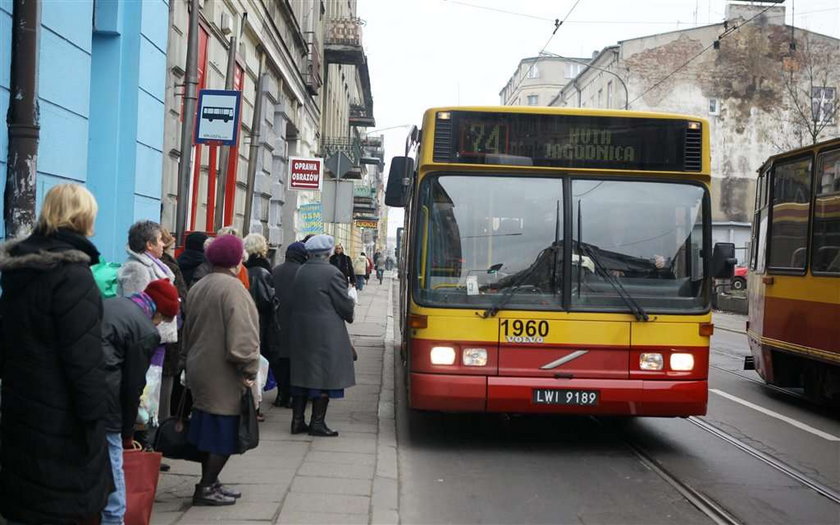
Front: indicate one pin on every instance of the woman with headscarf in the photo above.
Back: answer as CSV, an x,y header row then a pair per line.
x,y
192,256
321,353
54,465
221,352
283,276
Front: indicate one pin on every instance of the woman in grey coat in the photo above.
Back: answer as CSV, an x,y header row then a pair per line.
x,y
321,354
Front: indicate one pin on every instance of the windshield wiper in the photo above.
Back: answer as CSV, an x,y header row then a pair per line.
x,y
514,286
628,299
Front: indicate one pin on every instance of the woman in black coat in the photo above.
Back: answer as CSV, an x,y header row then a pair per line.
x,y
54,465
262,291
283,276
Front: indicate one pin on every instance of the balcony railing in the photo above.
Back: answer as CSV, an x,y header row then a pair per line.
x,y
344,32
349,145
312,72
361,115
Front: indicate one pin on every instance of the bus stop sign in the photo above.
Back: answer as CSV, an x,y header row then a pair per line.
x,y
217,120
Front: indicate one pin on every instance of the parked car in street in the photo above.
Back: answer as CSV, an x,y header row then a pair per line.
x,y
739,280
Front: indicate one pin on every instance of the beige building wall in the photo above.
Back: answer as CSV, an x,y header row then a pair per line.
x,y
538,80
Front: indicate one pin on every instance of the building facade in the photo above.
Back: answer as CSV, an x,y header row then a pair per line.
x,y
537,80
101,91
277,68
764,86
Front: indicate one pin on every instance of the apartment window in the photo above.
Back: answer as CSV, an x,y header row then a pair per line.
x,y
823,104
533,71
714,106
533,100
609,94
572,70
600,97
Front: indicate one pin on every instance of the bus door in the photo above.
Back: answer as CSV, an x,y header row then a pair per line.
x,y
536,346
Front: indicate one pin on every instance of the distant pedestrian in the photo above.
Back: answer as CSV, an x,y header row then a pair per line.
x,y
321,351
221,352
389,263
360,268
192,256
368,269
54,465
283,276
380,268
129,337
344,263
262,291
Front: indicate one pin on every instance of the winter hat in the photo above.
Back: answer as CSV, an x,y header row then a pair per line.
x,y
195,241
320,244
296,249
225,251
165,296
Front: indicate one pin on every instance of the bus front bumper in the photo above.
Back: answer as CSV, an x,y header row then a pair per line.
x,y
627,397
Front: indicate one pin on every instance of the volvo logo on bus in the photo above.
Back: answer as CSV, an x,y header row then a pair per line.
x,y
525,339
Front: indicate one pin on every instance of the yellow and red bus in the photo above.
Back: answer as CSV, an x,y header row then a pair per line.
x,y
794,282
557,261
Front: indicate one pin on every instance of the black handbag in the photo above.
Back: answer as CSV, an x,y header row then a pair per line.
x,y
249,430
171,437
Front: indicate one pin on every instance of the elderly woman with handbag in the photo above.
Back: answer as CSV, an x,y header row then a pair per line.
x,y
221,349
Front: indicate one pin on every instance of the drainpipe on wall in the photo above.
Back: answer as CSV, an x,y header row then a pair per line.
x,y
190,97
218,213
22,120
254,152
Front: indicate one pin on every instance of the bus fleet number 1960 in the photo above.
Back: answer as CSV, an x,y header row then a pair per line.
x,y
519,331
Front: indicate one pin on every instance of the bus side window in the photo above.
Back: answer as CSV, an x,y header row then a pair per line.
x,y
826,229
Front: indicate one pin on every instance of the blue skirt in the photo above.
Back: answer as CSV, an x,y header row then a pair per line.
x,y
315,393
213,433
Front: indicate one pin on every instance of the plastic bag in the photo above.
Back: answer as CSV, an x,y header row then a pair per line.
x,y
353,294
150,400
270,383
105,275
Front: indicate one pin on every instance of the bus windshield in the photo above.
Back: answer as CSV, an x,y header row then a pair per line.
x,y
492,239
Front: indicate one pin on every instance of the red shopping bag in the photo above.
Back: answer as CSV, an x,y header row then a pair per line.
x,y
141,469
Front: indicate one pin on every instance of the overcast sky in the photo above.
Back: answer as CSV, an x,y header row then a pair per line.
x,y
426,53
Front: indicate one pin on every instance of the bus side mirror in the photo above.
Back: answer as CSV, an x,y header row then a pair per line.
x,y
723,260
398,179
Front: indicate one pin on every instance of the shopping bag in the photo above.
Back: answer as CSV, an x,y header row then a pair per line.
x,y
105,275
262,378
271,382
141,470
353,294
249,430
171,437
147,413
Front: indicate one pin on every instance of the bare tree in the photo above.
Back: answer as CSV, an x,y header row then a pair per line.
x,y
810,87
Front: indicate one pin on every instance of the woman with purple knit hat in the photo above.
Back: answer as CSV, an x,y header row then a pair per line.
x,y
221,352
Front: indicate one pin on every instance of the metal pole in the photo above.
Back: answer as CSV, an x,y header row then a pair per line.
x,y
190,97
335,194
253,153
22,120
225,155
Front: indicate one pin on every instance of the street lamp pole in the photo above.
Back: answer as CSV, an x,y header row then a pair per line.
x,y
587,64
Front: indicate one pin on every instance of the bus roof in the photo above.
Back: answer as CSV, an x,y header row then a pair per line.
x,y
826,144
545,110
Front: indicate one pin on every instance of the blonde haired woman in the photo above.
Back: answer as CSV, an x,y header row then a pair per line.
x,y
262,291
54,465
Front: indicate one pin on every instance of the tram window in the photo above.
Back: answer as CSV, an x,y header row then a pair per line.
x,y
825,255
791,209
761,195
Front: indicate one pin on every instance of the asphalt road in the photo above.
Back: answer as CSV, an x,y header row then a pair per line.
x,y
526,469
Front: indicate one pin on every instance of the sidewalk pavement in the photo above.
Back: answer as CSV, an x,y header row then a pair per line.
x,y
729,321
350,479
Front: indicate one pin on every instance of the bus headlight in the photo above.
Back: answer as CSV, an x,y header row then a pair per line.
x,y
474,357
443,355
682,362
651,361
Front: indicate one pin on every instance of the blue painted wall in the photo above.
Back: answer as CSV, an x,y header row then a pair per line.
x,y
102,77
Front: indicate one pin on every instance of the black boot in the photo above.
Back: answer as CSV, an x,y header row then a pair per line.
x,y
299,415
317,425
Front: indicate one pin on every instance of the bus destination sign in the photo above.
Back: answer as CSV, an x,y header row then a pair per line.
x,y
573,141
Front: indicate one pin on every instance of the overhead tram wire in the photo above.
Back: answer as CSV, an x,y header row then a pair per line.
x,y
557,24
727,31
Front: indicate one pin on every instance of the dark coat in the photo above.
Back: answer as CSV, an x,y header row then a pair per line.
x,y
262,291
321,353
54,464
188,262
283,277
170,360
128,339
344,263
